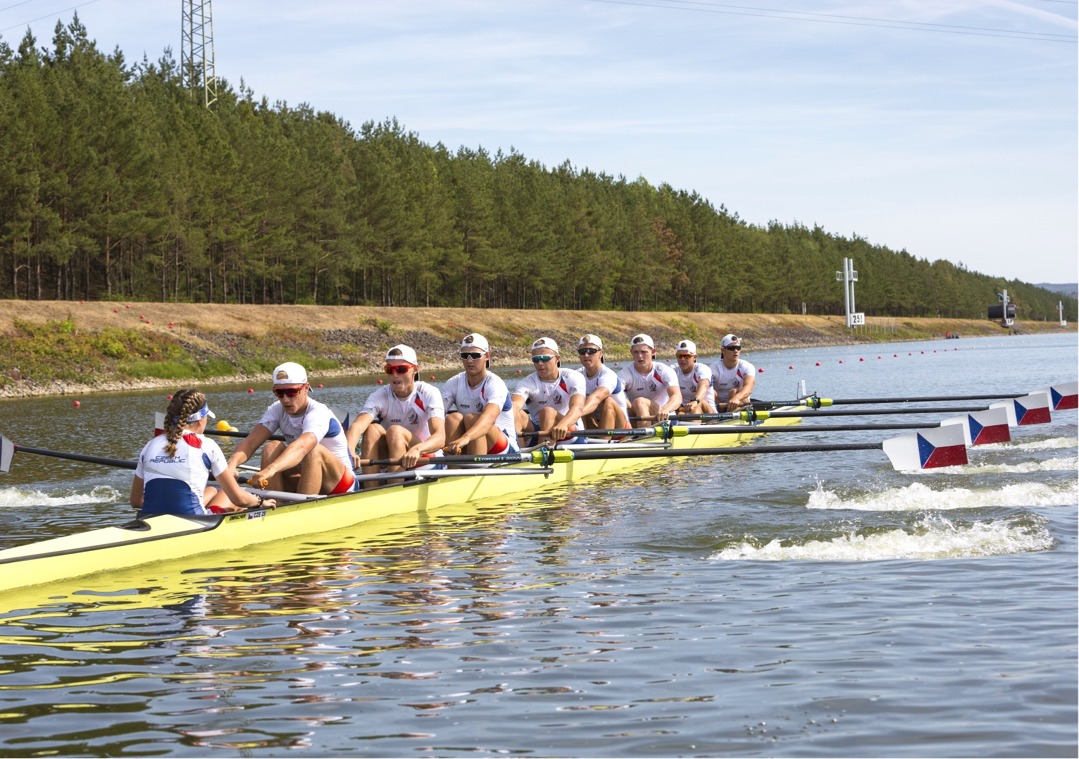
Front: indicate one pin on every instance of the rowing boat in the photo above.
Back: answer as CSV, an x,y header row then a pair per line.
x,y
144,540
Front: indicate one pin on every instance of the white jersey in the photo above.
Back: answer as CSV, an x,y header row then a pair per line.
x,y
727,381
652,386
412,412
556,394
458,394
175,484
317,419
690,382
608,378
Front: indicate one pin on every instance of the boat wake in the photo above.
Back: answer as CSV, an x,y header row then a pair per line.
x,y
1050,465
934,537
22,498
920,497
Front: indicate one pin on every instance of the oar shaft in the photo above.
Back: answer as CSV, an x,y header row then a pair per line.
x,y
868,412
122,463
238,433
735,451
927,399
704,429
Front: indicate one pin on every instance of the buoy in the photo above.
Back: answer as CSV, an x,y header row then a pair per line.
x,y
169,397
518,371
223,425
320,384
380,382
432,378
760,370
817,364
791,366
841,361
250,390
76,404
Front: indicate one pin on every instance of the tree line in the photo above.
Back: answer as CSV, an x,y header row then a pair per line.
x,y
116,183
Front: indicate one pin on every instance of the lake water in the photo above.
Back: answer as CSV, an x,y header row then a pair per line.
x,y
810,604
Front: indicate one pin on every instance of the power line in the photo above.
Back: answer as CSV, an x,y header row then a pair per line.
x,y
829,18
42,18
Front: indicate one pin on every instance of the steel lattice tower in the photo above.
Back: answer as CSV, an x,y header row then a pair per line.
x,y
197,49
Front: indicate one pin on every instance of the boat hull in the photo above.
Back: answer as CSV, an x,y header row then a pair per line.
x,y
168,536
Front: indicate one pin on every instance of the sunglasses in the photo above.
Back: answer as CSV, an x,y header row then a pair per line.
x,y
587,351
398,368
290,392
472,356
734,347
539,359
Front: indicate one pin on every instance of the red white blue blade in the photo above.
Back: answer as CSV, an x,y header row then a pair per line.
x,y
1029,409
159,423
1063,396
983,427
928,449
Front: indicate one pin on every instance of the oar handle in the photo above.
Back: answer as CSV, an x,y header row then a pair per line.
x,y
238,433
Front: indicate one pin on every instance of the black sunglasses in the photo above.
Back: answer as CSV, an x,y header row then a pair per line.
x,y
472,356
538,359
734,347
291,392
587,351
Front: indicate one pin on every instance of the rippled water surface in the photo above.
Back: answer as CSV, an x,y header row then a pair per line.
x,y
794,604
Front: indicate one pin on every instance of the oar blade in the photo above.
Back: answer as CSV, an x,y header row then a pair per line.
x,y
928,449
983,427
1028,409
159,423
7,450
1065,396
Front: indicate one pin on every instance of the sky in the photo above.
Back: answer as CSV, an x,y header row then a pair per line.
x,y
945,128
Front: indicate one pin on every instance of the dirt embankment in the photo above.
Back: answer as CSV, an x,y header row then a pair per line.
x,y
355,338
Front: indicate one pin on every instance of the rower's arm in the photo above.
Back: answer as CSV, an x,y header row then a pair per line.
x,y
592,402
246,448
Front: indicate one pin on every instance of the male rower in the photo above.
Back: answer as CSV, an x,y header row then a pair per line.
x,y
481,420
651,387
694,380
404,420
732,376
314,457
605,405
555,396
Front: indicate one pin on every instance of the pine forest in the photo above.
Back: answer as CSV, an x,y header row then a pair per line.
x,y
116,183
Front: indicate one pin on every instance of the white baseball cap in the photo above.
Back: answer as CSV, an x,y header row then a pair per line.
x,y
729,340
290,373
590,340
688,346
402,353
642,339
477,341
546,342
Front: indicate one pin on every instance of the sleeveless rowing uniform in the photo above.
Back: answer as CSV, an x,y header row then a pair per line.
x,y
727,381
608,378
411,412
690,382
652,386
318,420
556,394
175,484
458,394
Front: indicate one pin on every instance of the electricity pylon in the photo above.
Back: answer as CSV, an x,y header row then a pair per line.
x,y
197,49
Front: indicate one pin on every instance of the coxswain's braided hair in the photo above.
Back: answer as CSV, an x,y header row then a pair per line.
x,y
184,403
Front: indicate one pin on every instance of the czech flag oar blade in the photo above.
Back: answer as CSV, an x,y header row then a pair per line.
x,y
983,427
928,449
1029,409
1064,396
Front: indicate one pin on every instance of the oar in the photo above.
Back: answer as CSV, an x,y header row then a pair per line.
x,y
943,446
1063,396
981,427
754,415
8,449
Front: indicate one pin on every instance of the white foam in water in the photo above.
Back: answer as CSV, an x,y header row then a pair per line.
x,y
920,497
19,498
933,538
1052,465
1050,444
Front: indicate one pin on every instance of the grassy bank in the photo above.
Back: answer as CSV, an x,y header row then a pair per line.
x,y
61,347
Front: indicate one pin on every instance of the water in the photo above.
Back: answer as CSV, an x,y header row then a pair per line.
x,y
811,604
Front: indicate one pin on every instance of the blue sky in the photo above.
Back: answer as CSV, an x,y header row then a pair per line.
x,y
946,128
